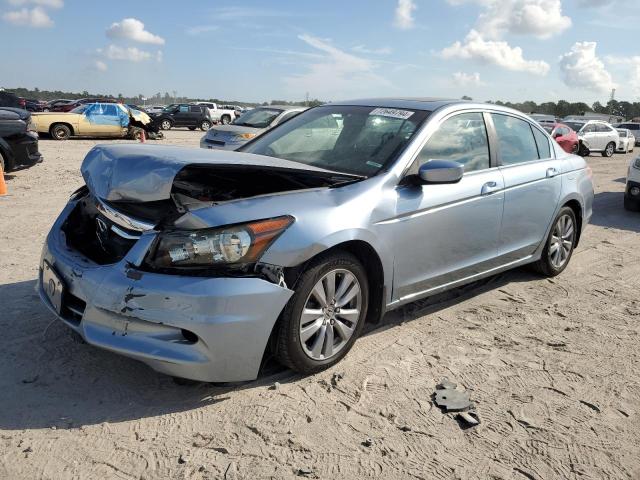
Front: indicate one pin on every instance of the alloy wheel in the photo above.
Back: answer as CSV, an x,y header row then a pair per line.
x,y
610,148
331,314
166,125
561,241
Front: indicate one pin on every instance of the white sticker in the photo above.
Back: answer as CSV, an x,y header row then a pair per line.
x,y
392,112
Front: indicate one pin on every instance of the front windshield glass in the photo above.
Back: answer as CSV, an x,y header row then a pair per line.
x,y
574,125
258,118
348,139
81,108
170,108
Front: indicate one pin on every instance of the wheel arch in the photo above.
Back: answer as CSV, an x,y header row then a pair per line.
x,y
576,206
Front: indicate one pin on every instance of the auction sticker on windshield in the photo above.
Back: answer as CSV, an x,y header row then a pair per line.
x,y
392,112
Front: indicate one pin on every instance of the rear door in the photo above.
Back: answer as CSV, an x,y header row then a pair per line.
x,y
533,184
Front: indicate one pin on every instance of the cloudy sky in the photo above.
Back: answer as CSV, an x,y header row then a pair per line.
x,y
489,49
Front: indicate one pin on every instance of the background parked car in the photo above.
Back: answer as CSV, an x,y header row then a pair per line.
x,y
598,136
54,103
8,99
247,126
18,139
218,113
184,115
96,120
566,137
627,141
67,107
632,190
634,127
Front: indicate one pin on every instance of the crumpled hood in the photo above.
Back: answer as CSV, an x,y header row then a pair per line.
x,y
145,173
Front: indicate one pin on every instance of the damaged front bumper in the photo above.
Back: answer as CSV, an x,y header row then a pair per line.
x,y
201,328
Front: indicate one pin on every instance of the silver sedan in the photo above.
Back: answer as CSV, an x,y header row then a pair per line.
x,y
200,263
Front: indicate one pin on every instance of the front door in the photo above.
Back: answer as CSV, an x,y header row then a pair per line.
x,y
533,184
448,232
592,137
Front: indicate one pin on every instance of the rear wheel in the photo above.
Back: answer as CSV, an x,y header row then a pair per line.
x,y
226,119
609,150
325,315
559,247
205,125
59,131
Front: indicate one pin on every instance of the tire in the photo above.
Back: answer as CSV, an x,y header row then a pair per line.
x,y
548,265
192,128
225,119
331,325
136,133
631,205
609,150
60,131
205,125
166,124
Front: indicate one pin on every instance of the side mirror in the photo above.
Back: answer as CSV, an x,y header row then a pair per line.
x,y
440,171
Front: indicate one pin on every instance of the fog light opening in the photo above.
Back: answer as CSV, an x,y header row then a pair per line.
x,y
635,191
189,336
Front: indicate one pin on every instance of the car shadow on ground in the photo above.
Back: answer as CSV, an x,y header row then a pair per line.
x,y
608,212
50,378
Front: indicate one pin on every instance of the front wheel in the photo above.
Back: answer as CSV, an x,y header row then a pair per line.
x,y
325,315
608,151
583,150
559,247
165,125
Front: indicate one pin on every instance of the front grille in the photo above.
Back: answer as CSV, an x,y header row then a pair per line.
x,y
92,234
72,308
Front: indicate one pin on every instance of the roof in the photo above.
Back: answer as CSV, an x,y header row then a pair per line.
x,y
283,107
415,103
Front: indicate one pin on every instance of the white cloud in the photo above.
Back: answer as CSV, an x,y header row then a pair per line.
x,y
35,17
463,79
41,3
334,73
492,52
404,14
539,18
581,68
372,51
201,29
133,29
129,54
100,65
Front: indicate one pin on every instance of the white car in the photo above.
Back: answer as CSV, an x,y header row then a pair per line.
x,y
596,135
219,113
627,141
632,190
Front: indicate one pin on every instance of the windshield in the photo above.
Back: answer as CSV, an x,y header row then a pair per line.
x,y
258,118
81,108
349,139
170,108
574,125
549,128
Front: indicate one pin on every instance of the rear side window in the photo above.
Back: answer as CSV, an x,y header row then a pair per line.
x,y
544,150
195,109
517,144
111,110
461,138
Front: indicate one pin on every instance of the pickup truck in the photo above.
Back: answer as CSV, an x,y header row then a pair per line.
x,y
218,113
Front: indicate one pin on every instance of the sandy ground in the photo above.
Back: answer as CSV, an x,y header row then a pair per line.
x,y
552,364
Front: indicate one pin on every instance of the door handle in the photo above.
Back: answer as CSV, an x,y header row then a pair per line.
x,y
551,172
489,188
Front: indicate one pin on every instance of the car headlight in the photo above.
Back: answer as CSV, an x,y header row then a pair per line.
x,y
233,245
636,163
245,136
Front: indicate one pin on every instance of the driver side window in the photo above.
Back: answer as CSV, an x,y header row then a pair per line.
x,y
461,138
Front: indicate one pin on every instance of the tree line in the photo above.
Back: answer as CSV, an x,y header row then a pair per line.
x,y
563,108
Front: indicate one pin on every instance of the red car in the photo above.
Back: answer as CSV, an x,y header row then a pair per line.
x,y
565,136
67,107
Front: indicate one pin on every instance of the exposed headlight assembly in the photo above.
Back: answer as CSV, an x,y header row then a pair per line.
x,y
229,246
